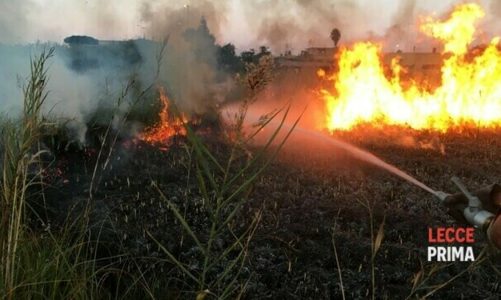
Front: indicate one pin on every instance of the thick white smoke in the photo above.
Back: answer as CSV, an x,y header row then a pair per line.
x,y
245,23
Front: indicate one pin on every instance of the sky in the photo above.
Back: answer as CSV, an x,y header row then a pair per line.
x,y
246,23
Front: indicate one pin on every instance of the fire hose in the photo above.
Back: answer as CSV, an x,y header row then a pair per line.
x,y
481,209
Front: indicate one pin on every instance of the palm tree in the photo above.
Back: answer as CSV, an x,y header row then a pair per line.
x,y
335,36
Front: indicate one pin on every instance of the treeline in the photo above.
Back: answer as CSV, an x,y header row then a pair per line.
x,y
201,41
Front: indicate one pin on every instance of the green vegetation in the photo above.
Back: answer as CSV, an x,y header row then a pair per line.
x,y
47,264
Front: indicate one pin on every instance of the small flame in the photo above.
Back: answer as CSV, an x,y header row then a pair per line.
x,y
469,91
167,127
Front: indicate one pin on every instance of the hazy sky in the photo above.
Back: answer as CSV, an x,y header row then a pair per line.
x,y
242,22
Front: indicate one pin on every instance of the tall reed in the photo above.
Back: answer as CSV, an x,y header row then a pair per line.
x,y
20,152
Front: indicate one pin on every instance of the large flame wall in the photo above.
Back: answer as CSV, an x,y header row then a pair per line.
x,y
469,93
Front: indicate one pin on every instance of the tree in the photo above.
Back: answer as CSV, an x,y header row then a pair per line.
x,y
228,50
335,36
203,43
81,40
263,50
203,31
248,56
228,59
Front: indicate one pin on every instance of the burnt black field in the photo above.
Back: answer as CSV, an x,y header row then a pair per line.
x,y
312,199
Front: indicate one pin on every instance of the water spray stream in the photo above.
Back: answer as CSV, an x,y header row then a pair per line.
x,y
474,213
366,156
357,153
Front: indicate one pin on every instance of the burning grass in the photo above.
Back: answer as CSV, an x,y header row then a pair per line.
x,y
167,127
468,93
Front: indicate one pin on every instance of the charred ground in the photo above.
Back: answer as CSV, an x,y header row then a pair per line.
x,y
312,198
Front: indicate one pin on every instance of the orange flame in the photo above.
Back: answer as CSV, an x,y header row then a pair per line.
x,y
469,92
167,127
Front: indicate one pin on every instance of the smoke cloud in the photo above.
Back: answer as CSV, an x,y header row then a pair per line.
x,y
296,23
85,78
403,27
291,25
190,66
73,95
